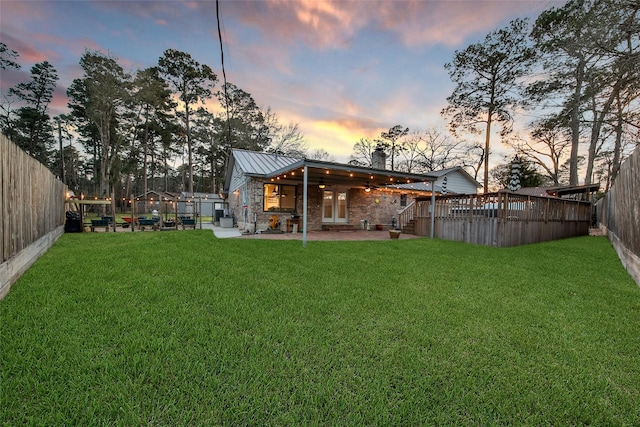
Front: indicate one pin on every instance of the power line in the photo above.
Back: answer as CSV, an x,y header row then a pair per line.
x,y
224,75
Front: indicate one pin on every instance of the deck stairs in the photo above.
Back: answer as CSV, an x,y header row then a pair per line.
x,y
409,227
406,219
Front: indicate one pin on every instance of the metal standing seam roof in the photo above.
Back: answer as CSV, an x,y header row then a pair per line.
x,y
268,165
443,172
261,164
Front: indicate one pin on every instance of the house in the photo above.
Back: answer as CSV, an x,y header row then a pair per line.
x,y
267,191
205,204
449,181
456,180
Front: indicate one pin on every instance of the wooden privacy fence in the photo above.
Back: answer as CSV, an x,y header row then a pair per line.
x,y
31,211
502,219
619,214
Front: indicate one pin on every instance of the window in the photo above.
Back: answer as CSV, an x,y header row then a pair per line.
x,y
403,200
279,197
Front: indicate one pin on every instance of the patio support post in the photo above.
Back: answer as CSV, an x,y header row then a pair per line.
x,y
304,205
433,209
82,213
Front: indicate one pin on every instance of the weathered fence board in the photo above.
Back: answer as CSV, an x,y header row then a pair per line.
x,y
31,209
619,214
502,219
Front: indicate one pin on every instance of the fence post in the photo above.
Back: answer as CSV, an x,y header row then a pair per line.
x,y
113,209
433,211
133,215
503,210
546,211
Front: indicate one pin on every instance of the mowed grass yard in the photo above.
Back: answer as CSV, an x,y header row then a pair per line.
x,y
180,328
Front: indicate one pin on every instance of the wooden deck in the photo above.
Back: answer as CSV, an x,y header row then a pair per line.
x,y
501,219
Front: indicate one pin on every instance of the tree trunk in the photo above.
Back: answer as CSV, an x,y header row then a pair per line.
x,y
213,175
166,169
487,139
188,129
597,126
617,148
145,165
575,124
393,152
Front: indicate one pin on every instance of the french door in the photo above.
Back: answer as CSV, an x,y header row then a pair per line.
x,y
334,206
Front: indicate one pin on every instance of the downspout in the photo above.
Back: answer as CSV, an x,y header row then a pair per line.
x,y
304,206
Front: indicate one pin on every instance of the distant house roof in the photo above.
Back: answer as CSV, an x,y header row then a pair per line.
x,y
558,191
440,174
195,195
151,193
564,190
460,169
416,186
533,191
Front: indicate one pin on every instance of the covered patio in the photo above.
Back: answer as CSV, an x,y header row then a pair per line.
x,y
329,196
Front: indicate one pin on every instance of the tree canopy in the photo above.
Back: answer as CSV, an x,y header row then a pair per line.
x,y
563,94
487,78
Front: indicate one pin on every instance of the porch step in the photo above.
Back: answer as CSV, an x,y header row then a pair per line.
x,y
410,228
338,227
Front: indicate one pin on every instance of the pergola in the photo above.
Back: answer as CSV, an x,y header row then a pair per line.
x,y
82,203
317,172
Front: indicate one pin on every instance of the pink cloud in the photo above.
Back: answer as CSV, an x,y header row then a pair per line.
x,y
21,12
191,4
59,102
28,53
333,23
449,23
317,23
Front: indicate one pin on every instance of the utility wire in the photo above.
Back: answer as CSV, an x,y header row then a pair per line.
x,y
224,75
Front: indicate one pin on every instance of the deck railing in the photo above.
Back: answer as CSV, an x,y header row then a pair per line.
x,y
502,219
406,215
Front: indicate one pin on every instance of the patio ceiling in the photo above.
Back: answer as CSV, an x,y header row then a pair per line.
x,y
340,174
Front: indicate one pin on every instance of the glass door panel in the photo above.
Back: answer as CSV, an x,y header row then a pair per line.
x,y
341,206
327,206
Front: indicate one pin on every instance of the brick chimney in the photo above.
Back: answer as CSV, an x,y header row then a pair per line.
x,y
379,158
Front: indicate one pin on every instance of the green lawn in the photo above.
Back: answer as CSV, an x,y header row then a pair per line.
x,y
179,328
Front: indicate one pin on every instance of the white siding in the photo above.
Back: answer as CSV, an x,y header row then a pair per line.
x,y
238,179
458,183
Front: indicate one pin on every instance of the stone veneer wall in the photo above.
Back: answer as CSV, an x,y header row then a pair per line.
x,y
361,206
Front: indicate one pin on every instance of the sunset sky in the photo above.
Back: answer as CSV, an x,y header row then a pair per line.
x,y
342,70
